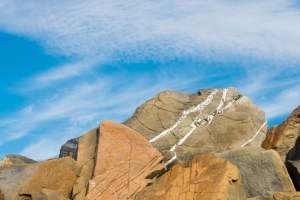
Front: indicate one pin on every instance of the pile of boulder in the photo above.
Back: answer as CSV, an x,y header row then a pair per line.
x,y
211,145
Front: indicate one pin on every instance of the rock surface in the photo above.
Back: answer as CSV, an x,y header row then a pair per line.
x,y
69,148
182,125
54,174
14,177
125,163
13,159
282,138
206,177
263,172
279,196
294,171
2,197
86,159
45,194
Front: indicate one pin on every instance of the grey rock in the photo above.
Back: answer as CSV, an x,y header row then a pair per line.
x,y
14,177
263,172
69,148
183,125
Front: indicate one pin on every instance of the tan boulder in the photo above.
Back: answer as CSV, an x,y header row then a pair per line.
x,y
125,163
54,174
86,159
46,194
206,177
14,177
263,172
183,125
282,138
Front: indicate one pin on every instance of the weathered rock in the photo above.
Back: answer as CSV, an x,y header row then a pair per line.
x,y
279,196
46,194
69,148
14,177
294,171
13,159
263,172
86,159
282,138
182,125
125,163
54,174
206,177
2,197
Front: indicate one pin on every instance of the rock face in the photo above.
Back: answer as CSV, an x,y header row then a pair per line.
x,y
294,171
283,137
2,197
14,177
125,163
206,177
55,174
86,159
13,159
263,172
180,125
69,148
45,194
279,196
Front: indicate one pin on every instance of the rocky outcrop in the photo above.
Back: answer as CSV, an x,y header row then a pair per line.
x,y
183,125
54,174
45,194
14,177
263,172
126,162
282,138
13,159
206,177
279,196
69,148
86,153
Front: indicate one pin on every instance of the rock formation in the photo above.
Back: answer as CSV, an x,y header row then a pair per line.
x,y
126,162
282,138
69,148
13,159
207,177
182,125
279,196
86,159
46,194
263,172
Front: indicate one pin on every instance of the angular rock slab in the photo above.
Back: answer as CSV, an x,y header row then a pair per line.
x,y
183,125
14,177
125,161
282,138
86,154
69,148
54,174
263,172
207,177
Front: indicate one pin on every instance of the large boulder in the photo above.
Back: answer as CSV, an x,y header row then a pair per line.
x,y
206,177
86,153
263,172
69,148
13,159
282,138
126,162
54,174
183,125
14,177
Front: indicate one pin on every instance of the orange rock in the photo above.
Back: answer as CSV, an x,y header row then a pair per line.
x,y
125,162
207,177
55,174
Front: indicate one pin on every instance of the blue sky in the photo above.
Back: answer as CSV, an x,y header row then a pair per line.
x,y
67,65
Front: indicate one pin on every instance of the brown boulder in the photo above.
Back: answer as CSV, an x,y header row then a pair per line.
x,y
45,194
183,125
54,174
125,163
205,177
282,138
86,159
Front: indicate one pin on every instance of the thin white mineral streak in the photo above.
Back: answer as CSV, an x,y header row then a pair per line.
x,y
199,107
254,135
171,160
210,117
